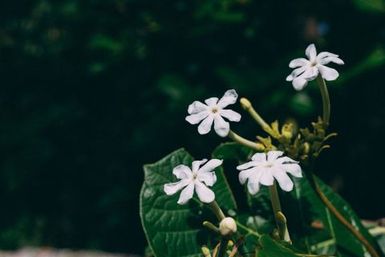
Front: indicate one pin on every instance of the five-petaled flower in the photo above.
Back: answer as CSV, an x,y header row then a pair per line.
x,y
198,179
213,111
308,69
264,168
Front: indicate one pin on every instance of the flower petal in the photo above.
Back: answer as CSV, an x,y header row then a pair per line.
x,y
297,72
294,169
253,182
326,57
273,155
197,117
172,188
311,52
230,97
186,194
328,73
209,178
210,166
196,164
298,62
285,159
310,73
253,187
221,126
299,83
212,101
259,157
266,178
205,194
182,172
247,165
196,107
247,174
230,115
331,59
283,180
205,125
325,54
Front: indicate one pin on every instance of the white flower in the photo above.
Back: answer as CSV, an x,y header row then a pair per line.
x,y
308,69
198,178
264,168
213,111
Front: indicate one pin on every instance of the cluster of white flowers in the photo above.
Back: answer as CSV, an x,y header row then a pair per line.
x,y
263,168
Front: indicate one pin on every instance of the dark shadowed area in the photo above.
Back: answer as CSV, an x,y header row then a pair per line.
x,y
90,90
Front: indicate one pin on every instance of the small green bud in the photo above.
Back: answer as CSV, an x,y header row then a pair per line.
x,y
287,130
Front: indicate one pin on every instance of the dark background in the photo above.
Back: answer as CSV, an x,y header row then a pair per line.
x,y
90,90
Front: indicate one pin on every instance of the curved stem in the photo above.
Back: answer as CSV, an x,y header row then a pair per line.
x,y
246,104
325,100
280,219
243,141
342,219
252,232
217,210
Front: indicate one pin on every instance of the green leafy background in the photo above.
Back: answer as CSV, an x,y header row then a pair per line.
x,y
90,90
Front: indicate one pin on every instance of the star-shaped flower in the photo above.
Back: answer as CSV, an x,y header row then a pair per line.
x,y
308,69
264,168
198,179
213,111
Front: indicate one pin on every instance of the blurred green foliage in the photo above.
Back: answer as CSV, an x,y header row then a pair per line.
x,y
90,90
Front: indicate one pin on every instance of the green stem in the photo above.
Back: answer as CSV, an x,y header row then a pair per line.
x,y
217,210
222,247
249,231
246,104
280,218
325,100
243,141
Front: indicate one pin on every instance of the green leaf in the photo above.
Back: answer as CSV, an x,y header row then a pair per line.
x,y
333,236
232,151
172,229
271,248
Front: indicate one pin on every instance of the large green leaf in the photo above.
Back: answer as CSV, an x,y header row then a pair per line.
x,y
271,248
172,229
333,236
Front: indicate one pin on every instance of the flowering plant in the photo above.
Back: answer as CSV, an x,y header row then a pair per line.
x,y
188,207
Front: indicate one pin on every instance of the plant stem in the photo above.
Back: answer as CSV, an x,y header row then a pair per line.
x,y
342,219
243,141
280,219
217,210
222,247
246,104
325,100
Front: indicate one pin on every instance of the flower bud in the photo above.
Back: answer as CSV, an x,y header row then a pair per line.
x,y
227,226
245,103
287,130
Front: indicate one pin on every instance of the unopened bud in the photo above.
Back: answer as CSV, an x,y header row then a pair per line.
x,y
245,103
227,226
287,130
206,251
